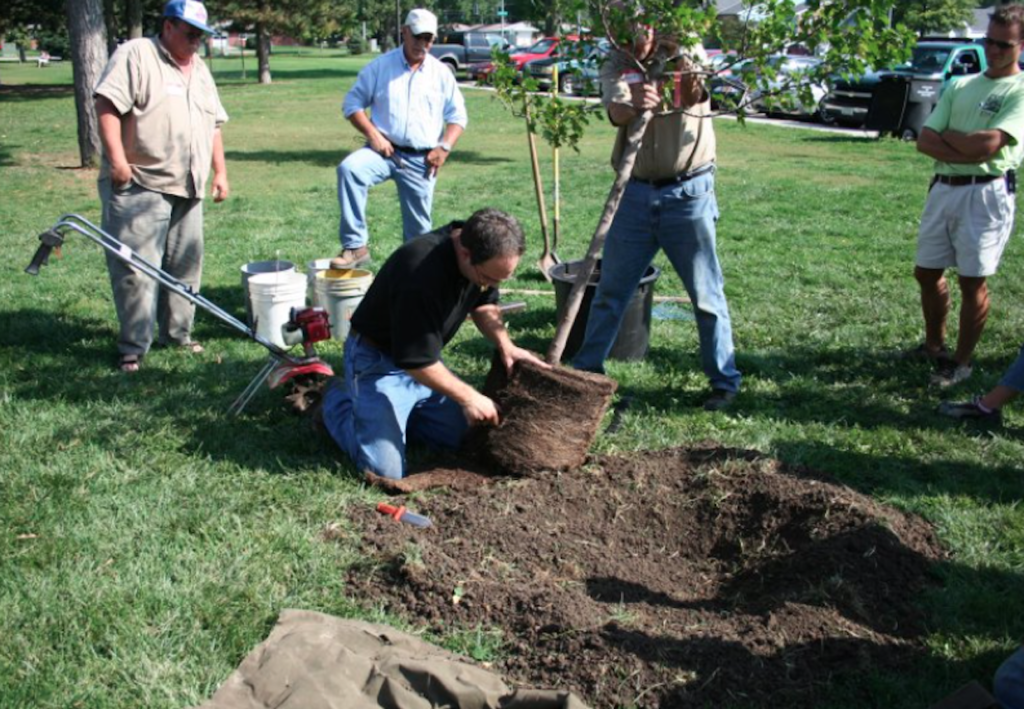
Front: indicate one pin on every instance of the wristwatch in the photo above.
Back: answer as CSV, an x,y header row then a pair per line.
x,y
445,146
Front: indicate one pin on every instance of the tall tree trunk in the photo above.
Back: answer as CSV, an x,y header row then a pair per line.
x,y
88,57
22,52
263,52
110,19
133,18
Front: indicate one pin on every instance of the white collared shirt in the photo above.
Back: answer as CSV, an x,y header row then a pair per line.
x,y
410,107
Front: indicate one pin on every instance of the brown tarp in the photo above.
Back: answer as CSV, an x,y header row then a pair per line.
x,y
317,661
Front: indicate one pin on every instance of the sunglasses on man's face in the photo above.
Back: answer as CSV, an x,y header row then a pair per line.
x,y
191,33
998,43
425,38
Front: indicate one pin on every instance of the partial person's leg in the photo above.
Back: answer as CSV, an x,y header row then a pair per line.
x,y
416,195
1008,686
183,259
438,422
368,415
974,307
687,235
935,253
139,219
980,239
935,304
356,175
628,251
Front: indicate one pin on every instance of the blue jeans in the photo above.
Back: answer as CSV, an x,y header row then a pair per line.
x,y
365,168
379,407
680,219
1014,376
1008,685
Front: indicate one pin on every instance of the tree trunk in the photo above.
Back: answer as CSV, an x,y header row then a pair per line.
x,y
110,20
88,57
22,53
133,18
572,306
263,52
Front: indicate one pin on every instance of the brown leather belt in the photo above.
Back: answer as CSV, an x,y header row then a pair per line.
x,y
961,180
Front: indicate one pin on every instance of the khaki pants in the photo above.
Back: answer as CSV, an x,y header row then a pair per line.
x,y
167,231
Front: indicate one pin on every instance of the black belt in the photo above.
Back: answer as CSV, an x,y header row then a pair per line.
x,y
413,151
961,180
675,180
365,340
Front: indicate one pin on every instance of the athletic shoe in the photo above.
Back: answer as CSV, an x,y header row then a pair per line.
x,y
970,410
948,373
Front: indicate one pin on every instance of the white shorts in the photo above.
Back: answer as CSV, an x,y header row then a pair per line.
x,y
965,226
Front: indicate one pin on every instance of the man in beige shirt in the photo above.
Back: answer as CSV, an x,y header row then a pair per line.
x,y
669,203
160,118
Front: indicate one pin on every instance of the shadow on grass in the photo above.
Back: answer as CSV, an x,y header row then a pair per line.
x,y
53,357
839,139
35,92
964,602
233,77
318,158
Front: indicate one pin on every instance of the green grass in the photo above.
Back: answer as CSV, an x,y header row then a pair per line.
x,y
149,541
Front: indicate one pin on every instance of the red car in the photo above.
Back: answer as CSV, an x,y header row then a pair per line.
x,y
541,49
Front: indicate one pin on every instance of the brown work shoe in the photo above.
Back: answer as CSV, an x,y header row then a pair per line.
x,y
350,258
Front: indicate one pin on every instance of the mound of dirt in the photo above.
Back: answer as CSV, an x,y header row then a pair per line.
x,y
700,577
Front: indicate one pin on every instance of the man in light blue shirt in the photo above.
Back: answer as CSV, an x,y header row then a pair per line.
x,y
409,107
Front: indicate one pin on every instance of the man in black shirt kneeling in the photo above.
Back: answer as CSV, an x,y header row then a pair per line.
x,y
396,387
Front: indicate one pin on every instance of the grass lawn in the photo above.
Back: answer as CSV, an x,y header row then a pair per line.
x,y
149,541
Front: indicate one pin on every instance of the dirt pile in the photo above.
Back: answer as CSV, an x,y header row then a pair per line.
x,y
672,579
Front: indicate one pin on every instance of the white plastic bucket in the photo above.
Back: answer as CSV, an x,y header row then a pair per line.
x,y
251,269
312,268
273,296
340,292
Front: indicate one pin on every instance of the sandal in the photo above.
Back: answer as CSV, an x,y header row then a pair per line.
x,y
129,363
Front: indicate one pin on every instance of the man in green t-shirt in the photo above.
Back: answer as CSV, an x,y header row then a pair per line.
x,y
975,137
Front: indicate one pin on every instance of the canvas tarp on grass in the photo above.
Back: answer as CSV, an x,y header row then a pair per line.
x,y
316,661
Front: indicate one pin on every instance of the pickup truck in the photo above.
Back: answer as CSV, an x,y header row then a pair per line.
x,y
933,64
468,48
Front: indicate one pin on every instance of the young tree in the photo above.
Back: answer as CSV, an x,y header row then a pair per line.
x,y
88,34
849,36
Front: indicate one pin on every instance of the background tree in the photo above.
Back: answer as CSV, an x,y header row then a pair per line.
x,y
934,16
267,18
88,34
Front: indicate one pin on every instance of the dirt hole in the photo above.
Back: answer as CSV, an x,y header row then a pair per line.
x,y
688,577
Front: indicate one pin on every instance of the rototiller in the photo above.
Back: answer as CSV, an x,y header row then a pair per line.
x,y
305,325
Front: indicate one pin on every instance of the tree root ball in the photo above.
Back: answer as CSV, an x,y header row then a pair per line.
x,y
549,418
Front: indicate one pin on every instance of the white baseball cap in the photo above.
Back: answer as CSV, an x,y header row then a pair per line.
x,y
421,21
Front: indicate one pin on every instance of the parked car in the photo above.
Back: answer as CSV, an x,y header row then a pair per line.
x,y
783,94
572,72
934,63
541,49
726,87
467,49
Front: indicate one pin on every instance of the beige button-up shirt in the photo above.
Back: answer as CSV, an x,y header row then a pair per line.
x,y
168,119
673,143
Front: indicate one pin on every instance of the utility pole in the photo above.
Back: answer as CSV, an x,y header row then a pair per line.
x,y
398,23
